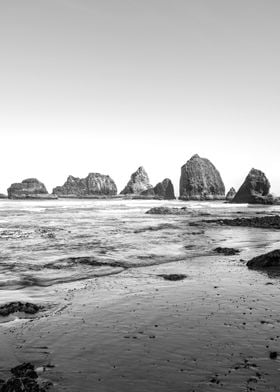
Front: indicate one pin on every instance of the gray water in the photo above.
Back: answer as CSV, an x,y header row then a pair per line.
x,y
41,239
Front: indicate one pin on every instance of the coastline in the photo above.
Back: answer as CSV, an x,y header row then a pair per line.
x,y
134,331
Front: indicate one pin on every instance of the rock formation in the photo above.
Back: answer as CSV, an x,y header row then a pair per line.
x,y
95,184
30,188
165,189
267,260
200,180
254,190
231,194
138,183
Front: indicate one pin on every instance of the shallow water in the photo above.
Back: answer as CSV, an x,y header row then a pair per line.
x,y
39,239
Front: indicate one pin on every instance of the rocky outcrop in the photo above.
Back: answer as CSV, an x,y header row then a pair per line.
x,y
267,260
169,211
231,194
139,182
165,189
254,190
30,188
265,222
95,184
200,180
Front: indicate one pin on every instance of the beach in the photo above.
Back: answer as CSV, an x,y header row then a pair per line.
x,y
132,330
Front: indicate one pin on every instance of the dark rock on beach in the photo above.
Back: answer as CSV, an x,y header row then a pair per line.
x,y
265,222
231,194
30,188
267,260
169,211
13,307
173,277
165,189
95,184
254,190
227,251
139,182
200,180
24,379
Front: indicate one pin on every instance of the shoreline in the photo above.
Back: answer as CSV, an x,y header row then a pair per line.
x,y
136,331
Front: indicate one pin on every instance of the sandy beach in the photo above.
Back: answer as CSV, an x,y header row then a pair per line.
x,y
137,332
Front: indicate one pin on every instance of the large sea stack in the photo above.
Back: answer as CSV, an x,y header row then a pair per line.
x,y
200,180
139,182
254,190
95,184
30,188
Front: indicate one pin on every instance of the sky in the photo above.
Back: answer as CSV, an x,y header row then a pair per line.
x,y
110,85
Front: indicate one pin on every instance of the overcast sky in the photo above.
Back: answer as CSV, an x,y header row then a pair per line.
x,y
109,85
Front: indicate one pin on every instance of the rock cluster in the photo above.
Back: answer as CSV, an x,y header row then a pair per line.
x,y
95,184
30,188
254,190
200,180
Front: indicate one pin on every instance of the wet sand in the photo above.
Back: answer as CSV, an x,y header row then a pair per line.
x,y
137,332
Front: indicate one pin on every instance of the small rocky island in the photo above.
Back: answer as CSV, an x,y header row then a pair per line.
x,y
254,190
139,182
200,180
94,185
31,188
231,194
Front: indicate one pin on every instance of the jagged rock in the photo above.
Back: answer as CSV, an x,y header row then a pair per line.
x,y
30,188
148,192
267,260
254,190
95,184
165,189
138,183
231,194
200,180
227,251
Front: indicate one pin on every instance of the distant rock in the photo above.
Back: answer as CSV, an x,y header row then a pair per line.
x,y
139,182
200,180
267,260
231,194
227,251
254,190
95,184
165,190
2,196
30,188
169,211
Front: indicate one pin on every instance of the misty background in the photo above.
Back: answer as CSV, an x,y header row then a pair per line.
x,y
106,86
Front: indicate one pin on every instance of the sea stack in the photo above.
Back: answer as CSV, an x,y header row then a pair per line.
x,y
30,188
231,193
95,184
139,182
165,190
254,190
200,180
